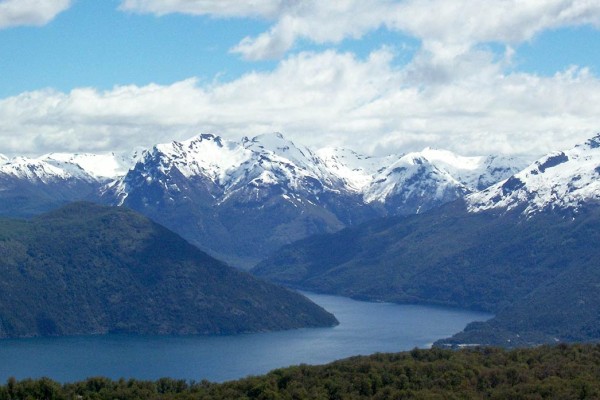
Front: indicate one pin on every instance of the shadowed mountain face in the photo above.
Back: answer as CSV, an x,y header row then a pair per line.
x,y
88,269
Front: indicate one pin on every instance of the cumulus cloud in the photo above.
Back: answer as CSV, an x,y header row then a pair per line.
x,y
30,12
447,28
321,99
457,25
318,21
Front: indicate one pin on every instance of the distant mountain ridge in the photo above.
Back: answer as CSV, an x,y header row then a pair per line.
x,y
241,200
525,249
562,180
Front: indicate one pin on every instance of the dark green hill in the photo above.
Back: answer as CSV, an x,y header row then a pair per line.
x,y
561,372
89,269
539,275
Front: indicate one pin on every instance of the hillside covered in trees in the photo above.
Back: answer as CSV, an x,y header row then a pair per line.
x,y
538,275
90,269
560,372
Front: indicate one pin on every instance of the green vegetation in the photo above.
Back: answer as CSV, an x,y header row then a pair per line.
x,y
89,269
540,276
561,372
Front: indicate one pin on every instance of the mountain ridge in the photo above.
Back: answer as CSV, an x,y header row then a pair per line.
x,y
559,180
241,200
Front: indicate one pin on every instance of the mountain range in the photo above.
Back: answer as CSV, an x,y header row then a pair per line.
x,y
488,233
525,248
242,200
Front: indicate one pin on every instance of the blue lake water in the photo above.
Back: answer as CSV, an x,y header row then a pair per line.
x,y
365,328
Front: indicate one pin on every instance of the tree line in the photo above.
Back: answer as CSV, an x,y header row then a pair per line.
x,y
547,372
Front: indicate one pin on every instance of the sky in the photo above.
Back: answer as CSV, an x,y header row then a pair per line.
x,y
476,77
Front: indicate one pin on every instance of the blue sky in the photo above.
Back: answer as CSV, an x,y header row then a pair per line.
x,y
555,50
384,76
94,44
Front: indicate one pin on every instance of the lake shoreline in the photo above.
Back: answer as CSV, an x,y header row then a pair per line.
x,y
365,328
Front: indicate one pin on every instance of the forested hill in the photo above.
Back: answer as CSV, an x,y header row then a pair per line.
x,y
562,372
539,275
89,269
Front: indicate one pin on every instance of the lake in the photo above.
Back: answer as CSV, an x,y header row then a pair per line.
x,y
364,328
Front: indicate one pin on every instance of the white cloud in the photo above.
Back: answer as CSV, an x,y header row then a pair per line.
x,y
327,98
319,21
217,8
447,28
463,23
30,12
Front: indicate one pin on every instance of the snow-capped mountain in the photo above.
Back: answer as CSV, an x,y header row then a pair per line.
x,y
278,165
227,168
413,184
354,169
54,167
417,181
240,200
39,171
246,198
558,181
101,167
32,185
476,173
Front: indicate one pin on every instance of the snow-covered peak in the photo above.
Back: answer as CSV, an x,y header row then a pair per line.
x,y
99,166
3,159
35,170
205,154
276,161
274,141
412,176
355,169
590,144
450,160
275,144
493,170
475,172
250,169
559,180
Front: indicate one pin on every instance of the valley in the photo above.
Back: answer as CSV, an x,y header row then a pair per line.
x,y
479,233
524,249
296,199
